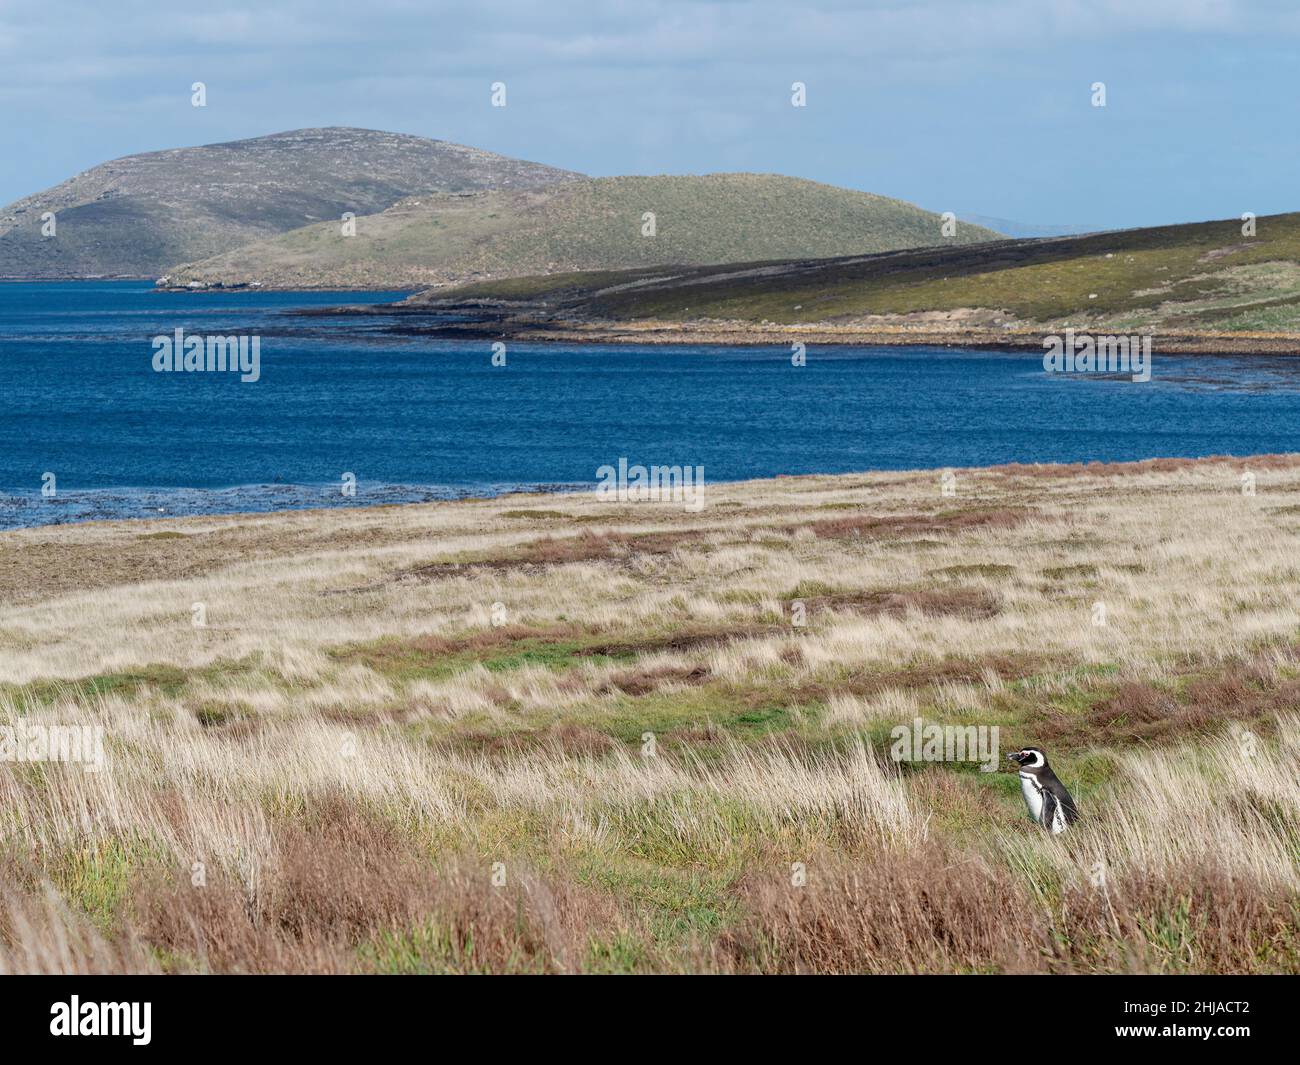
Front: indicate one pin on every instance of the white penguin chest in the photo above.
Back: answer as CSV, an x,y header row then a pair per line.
x,y
1033,796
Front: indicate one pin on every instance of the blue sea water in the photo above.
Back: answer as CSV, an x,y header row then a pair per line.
x,y
417,418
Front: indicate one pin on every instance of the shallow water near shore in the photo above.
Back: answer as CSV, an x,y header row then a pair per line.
x,y
416,419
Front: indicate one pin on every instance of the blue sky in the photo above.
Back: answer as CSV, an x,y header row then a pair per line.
x,y
971,107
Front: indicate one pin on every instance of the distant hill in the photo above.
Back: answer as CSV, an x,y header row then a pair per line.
x,y
1011,228
134,217
594,224
1200,277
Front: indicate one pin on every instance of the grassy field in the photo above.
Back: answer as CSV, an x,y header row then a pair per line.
x,y
1170,279
559,734
582,225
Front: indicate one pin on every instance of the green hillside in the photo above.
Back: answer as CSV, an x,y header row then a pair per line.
x,y
581,225
1206,276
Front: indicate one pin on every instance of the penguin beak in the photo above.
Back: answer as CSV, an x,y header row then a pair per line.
x,y
1014,756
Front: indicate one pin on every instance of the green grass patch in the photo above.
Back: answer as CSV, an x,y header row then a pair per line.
x,y
1061,573
976,569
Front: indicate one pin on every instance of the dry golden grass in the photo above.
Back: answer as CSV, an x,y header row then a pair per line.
x,y
558,734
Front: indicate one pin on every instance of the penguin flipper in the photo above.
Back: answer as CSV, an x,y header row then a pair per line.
x,y
1048,814
1068,807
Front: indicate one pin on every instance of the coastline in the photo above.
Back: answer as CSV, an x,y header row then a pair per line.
x,y
533,322
498,322
748,334
138,507
87,506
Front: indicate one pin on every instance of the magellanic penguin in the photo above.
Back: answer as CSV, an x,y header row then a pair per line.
x,y
1049,802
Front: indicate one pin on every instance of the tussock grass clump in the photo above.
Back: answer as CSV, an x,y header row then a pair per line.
x,y
934,910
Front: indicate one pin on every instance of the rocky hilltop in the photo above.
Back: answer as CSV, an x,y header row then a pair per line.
x,y
139,215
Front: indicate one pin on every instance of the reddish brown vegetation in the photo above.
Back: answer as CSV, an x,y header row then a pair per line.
x,y
483,641
681,641
645,680
893,525
1140,712
344,881
927,911
554,551
1133,469
937,602
916,676
934,911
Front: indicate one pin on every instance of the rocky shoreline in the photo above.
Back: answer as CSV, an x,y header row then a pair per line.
x,y
505,323
748,334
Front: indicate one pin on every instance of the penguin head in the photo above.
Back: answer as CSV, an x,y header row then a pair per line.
x,y
1030,758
